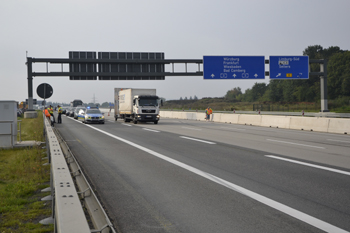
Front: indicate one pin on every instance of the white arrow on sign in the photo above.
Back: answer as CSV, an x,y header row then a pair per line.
x,y
212,75
256,75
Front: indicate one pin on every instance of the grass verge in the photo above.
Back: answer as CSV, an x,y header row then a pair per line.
x,y
22,176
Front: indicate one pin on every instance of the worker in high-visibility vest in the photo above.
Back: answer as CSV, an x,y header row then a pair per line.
x,y
59,109
51,113
47,114
208,112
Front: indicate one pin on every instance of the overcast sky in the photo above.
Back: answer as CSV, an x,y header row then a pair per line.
x,y
182,29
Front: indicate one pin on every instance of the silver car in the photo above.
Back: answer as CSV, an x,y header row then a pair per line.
x,y
93,115
78,112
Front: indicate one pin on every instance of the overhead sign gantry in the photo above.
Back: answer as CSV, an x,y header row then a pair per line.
x,y
151,66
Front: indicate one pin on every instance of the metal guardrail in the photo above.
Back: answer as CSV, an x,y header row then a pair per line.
x,y
67,203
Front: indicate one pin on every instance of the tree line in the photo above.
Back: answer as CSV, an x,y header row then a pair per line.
x,y
338,80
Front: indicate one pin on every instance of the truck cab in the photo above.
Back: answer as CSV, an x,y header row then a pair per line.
x,y
146,108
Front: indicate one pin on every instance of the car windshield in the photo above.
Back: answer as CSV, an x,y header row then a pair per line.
x,y
148,102
77,109
93,111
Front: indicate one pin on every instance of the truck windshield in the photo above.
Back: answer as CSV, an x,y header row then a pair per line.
x,y
148,102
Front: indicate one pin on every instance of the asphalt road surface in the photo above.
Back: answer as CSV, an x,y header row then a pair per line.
x,y
197,176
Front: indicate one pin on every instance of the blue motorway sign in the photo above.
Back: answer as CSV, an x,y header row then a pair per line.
x,y
289,67
233,67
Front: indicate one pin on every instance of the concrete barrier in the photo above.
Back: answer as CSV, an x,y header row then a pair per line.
x,y
250,120
319,124
309,123
337,125
229,118
275,121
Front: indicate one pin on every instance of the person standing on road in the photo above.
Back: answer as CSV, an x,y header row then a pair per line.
x,y
59,121
208,112
51,113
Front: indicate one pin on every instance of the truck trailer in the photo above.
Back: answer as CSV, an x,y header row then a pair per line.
x,y
137,105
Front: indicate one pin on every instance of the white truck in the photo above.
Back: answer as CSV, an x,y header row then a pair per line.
x,y
132,104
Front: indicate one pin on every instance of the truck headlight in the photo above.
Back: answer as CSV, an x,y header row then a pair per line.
x,y
158,116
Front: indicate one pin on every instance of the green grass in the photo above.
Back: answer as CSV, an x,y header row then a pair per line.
x,y
22,177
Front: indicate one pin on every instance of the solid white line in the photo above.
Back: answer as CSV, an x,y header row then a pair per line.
x,y
295,144
338,140
126,124
198,140
269,202
190,128
310,165
151,130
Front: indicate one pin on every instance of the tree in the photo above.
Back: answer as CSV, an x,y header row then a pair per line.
x,y
105,105
258,90
275,90
339,75
233,93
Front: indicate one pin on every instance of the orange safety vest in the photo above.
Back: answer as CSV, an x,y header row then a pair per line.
x,y
47,113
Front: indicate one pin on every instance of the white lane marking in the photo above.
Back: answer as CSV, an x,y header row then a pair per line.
x,y
198,140
310,165
298,144
267,201
152,130
126,124
231,128
190,128
338,140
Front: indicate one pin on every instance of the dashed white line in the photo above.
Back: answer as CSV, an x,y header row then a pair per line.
x,y
298,144
198,140
152,130
125,124
191,128
309,164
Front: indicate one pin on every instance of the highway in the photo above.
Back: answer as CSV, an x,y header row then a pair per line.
x,y
197,176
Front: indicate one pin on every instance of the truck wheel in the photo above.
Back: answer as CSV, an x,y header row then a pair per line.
x,y
135,121
155,122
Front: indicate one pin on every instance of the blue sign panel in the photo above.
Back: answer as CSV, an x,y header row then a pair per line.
x,y
289,67
233,67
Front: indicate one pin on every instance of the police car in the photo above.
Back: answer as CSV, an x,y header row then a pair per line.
x,y
93,115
